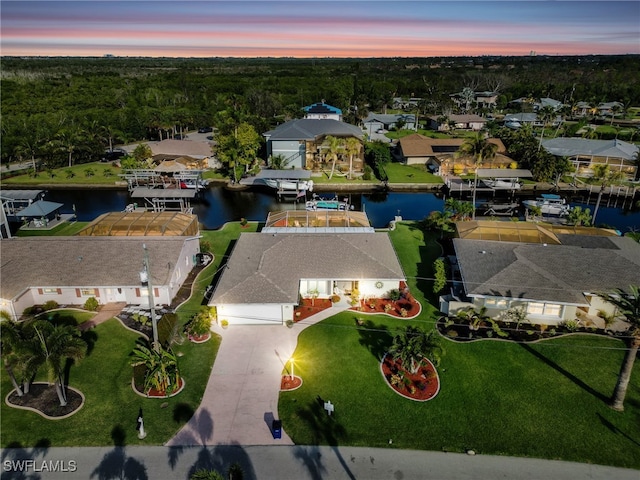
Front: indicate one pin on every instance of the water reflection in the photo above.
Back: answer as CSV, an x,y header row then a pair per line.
x,y
219,205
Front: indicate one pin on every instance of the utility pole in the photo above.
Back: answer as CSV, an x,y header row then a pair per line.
x,y
145,277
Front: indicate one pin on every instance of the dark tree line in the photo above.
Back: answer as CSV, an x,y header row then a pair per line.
x,y
69,110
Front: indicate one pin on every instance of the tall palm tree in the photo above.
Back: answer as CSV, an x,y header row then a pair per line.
x,y
352,147
333,148
606,178
11,344
412,345
627,304
546,114
69,141
55,344
480,149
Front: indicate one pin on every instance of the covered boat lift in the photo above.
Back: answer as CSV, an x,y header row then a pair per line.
x,y
161,199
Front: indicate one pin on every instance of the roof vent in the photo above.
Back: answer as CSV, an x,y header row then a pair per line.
x,y
483,251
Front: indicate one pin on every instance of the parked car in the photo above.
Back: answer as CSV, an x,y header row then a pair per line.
x,y
205,130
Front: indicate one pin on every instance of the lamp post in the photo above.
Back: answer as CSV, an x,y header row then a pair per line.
x,y
145,278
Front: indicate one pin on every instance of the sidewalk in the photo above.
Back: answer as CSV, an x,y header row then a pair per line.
x,y
107,311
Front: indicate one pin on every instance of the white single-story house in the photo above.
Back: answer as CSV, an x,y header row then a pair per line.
x,y
268,273
553,282
70,270
584,153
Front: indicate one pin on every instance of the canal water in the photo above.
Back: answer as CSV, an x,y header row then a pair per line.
x,y
219,205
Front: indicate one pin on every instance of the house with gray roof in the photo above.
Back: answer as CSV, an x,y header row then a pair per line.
x,y
551,282
70,270
268,273
464,122
300,141
381,121
585,153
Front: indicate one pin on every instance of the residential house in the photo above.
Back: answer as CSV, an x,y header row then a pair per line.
x,y
584,153
608,109
517,120
547,102
268,273
399,103
300,141
69,270
460,122
438,154
379,121
554,275
323,111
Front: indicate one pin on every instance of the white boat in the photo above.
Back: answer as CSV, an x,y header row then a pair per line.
x,y
502,183
549,204
290,185
193,183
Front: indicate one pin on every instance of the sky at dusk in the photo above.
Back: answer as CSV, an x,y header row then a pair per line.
x,y
318,28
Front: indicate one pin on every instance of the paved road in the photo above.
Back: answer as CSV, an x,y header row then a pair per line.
x,y
290,463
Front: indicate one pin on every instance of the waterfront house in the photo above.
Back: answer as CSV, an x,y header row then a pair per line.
x,y
69,270
460,122
268,273
585,153
554,273
438,154
300,141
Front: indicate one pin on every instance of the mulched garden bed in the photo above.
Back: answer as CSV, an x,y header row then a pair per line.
x,y
128,321
456,330
290,383
43,397
379,305
420,386
310,307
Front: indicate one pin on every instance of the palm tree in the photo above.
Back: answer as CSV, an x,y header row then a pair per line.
x,y
546,114
606,178
459,209
333,148
440,221
480,149
11,343
412,345
352,147
54,345
69,141
162,373
628,305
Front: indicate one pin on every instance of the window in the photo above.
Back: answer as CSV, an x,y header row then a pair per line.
x,y
50,291
496,303
88,292
544,309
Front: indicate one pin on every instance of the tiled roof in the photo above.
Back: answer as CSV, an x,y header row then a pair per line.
x,y
544,272
84,261
312,129
267,268
567,147
181,147
418,145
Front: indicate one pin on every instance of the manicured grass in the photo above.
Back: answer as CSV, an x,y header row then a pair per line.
x,y
399,173
60,177
340,180
544,400
64,229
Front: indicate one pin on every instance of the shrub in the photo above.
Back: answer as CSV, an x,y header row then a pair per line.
x,y
224,323
289,323
91,304
440,275
368,173
571,325
50,305
388,307
452,333
200,323
29,311
404,312
394,295
335,298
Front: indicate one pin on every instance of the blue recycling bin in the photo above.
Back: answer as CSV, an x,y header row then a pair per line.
x,y
276,428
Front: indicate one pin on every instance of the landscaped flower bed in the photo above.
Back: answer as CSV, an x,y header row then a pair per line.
x,y
407,307
310,307
421,386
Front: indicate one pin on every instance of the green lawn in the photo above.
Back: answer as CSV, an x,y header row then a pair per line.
x,y
399,173
104,377
102,174
341,180
64,229
545,400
